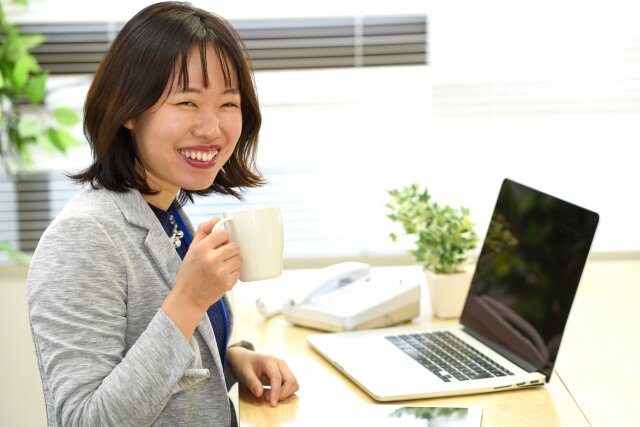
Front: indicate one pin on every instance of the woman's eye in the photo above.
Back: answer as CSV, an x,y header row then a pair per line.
x,y
186,103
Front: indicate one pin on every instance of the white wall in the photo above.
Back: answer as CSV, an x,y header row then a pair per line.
x,y
21,398
543,92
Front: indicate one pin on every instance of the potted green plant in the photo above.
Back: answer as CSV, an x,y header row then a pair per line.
x,y
23,87
443,237
23,84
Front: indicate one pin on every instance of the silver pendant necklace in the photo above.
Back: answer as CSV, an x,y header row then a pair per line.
x,y
176,234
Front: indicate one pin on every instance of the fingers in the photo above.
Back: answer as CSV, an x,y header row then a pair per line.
x,y
265,376
281,382
223,265
210,231
218,239
205,228
211,266
275,384
255,385
288,385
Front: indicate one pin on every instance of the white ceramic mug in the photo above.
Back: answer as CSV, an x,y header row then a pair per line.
x,y
259,233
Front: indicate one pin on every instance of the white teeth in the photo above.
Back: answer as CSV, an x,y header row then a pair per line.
x,y
199,155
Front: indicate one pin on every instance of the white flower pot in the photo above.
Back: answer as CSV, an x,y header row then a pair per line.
x,y
448,293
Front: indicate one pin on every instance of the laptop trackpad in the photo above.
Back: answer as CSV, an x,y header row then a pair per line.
x,y
376,364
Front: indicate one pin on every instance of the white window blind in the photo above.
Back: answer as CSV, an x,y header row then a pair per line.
x,y
333,142
328,132
545,93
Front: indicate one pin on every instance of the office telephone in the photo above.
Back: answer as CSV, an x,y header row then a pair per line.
x,y
348,296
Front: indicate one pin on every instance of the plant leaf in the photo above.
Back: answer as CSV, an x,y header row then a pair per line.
x,y
66,116
20,72
69,140
33,65
36,88
5,70
56,140
21,143
28,127
44,141
32,40
13,47
62,139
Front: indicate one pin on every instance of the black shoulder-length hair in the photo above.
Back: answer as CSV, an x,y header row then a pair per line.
x,y
145,56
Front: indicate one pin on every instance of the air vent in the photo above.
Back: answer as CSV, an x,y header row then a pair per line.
x,y
272,44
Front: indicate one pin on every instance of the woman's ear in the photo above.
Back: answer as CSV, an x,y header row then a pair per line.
x,y
128,124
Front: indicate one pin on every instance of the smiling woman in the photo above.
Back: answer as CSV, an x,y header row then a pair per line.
x,y
205,90
191,132
134,328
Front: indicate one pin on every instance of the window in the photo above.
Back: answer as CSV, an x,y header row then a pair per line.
x,y
544,93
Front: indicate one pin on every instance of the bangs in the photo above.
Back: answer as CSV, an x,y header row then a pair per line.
x,y
223,56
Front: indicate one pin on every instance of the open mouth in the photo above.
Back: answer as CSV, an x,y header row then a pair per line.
x,y
202,156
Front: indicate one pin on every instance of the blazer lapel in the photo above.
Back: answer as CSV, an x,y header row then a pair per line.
x,y
136,211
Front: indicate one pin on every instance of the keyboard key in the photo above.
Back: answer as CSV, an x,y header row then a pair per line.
x,y
447,356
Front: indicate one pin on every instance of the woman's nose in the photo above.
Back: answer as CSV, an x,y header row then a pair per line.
x,y
208,126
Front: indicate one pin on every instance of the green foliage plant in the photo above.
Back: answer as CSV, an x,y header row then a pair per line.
x,y
444,236
23,83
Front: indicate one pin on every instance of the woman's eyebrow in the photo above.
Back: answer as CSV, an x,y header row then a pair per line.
x,y
227,91
188,90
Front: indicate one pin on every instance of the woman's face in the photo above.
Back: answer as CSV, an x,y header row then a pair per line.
x,y
184,140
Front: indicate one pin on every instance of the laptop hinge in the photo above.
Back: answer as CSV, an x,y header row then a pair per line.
x,y
513,358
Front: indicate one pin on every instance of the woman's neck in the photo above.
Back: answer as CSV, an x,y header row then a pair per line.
x,y
165,192
161,200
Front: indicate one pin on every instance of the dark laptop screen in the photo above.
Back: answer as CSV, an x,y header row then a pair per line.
x,y
528,273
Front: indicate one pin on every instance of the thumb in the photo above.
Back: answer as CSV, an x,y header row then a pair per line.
x,y
256,387
205,228
253,383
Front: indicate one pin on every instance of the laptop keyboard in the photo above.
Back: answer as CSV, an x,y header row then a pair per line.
x,y
447,356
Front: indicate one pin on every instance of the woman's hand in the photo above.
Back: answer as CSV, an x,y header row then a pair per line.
x,y
253,370
210,268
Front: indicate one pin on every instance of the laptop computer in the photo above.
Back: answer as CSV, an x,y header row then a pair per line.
x,y
512,323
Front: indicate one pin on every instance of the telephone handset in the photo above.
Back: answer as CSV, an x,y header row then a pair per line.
x,y
326,279
349,296
337,276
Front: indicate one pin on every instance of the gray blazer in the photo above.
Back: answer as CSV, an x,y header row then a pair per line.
x,y
107,353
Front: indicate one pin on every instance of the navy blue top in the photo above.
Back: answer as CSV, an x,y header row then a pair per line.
x,y
217,313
